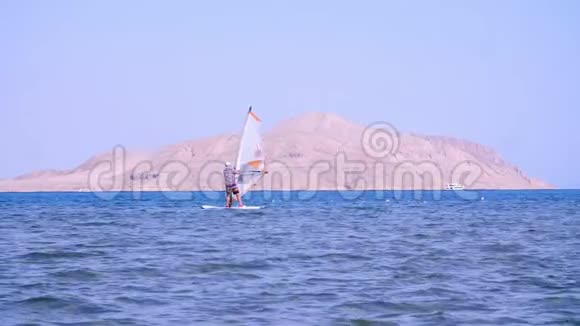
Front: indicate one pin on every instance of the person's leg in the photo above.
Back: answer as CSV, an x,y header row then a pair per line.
x,y
238,197
228,198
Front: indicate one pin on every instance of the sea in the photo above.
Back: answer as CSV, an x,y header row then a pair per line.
x,y
306,258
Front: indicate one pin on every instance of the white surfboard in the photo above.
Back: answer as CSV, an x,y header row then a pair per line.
x,y
235,207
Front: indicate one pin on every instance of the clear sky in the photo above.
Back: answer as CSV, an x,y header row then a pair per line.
x,y
77,77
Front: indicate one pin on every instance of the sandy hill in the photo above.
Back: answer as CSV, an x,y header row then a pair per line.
x,y
311,151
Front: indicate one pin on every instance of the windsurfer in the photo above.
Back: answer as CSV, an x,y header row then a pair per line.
x,y
231,185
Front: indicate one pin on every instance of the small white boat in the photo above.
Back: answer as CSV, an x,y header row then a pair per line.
x,y
455,186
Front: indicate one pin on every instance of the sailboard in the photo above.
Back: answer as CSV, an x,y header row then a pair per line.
x,y
251,160
233,207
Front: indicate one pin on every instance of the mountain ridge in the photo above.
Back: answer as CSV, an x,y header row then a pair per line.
x,y
296,148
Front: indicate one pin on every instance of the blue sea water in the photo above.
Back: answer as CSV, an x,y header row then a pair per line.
x,y
328,258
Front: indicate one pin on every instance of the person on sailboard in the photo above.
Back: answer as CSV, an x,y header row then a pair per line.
x,y
231,185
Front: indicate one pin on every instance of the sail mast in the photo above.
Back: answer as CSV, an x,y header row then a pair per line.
x,y
240,148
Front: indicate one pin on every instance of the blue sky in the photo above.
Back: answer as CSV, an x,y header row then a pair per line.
x,y
77,77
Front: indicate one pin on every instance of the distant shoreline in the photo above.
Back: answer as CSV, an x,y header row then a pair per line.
x,y
287,190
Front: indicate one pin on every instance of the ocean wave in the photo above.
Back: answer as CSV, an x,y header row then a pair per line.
x,y
81,274
59,254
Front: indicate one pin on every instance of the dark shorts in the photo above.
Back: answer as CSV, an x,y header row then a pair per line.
x,y
232,190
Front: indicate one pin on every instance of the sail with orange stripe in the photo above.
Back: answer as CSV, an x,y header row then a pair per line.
x,y
251,158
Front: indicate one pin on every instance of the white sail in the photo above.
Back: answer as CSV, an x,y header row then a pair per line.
x,y
251,159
